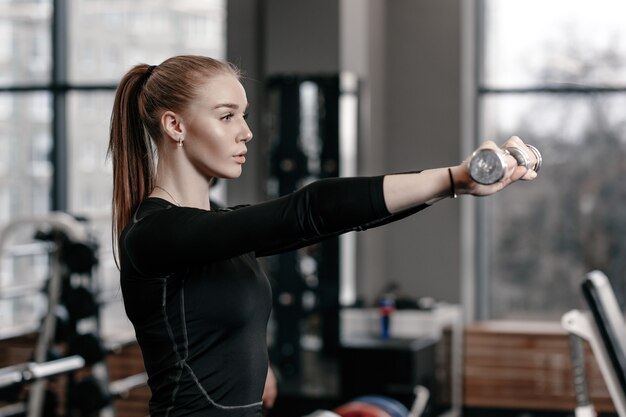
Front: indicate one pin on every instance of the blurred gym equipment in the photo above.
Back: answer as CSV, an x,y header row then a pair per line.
x,y
69,356
424,349
605,330
378,406
584,408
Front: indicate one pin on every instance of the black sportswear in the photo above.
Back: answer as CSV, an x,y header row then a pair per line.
x,y
198,300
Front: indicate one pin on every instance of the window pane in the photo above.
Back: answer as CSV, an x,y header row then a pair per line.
x,y
90,172
25,146
538,42
545,235
108,37
105,39
25,185
25,41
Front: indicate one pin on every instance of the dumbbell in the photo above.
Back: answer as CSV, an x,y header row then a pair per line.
x,y
488,166
88,396
89,347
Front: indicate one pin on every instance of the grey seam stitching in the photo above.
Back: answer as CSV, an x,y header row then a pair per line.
x,y
184,319
191,372
208,397
171,335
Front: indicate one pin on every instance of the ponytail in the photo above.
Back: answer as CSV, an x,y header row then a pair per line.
x,y
130,149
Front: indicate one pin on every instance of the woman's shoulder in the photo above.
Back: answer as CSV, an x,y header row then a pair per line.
x,y
151,205
220,209
147,209
157,215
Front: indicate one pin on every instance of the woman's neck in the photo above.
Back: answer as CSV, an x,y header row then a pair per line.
x,y
183,187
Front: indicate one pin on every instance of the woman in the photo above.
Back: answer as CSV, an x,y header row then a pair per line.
x,y
190,280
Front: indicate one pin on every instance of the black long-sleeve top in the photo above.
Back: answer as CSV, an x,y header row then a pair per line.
x,y
198,300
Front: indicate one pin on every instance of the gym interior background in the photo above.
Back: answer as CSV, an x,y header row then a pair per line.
x,y
337,87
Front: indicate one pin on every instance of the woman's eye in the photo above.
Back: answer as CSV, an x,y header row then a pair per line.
x,y
227,117
245,116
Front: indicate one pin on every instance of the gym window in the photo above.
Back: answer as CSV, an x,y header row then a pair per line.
x,y
554,73
60,61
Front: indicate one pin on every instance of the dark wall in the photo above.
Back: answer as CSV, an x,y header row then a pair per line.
x,y
302,36
410,72
423,124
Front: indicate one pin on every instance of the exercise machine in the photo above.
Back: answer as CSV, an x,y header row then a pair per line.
x,y
603,326
69,342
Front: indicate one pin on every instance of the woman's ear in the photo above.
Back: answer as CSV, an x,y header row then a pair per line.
x,y
172,125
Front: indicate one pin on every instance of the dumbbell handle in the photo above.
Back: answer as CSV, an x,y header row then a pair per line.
x,y
488,166
30,371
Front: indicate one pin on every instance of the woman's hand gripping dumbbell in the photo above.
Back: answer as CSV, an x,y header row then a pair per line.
x,y
488,165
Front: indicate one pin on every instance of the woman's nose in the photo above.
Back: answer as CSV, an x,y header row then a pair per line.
x,y
246,135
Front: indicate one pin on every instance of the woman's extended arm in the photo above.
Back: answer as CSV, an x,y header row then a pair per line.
x,y
405,194
403,191
168,238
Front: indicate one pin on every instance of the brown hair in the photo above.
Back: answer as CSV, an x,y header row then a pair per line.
x,y
144,93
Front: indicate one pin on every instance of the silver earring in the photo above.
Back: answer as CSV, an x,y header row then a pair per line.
x,y
180,142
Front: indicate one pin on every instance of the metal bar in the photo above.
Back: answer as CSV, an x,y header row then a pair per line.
x,y
577,355
55,367
17,409
18,291
46,337
121,387
32,371
565,88
582,325
56,88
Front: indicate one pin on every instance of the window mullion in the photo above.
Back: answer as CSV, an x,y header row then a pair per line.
x,y
59,102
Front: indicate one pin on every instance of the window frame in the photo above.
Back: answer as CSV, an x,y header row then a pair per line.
x,y
480,251
58,89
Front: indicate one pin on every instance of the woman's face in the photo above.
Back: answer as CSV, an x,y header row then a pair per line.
x,y
216,131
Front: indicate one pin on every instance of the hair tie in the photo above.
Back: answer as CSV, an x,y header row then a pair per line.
x,y
149,71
